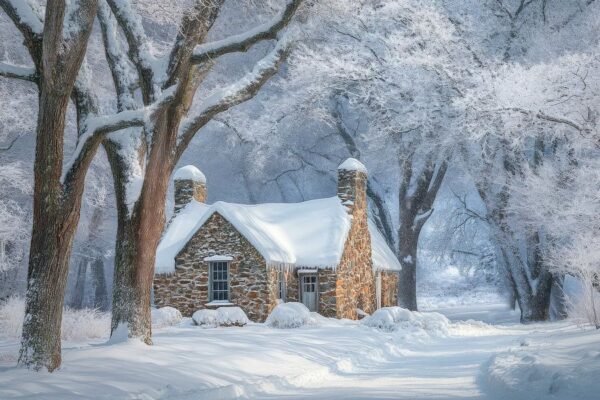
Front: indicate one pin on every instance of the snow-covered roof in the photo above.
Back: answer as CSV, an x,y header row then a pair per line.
x,y
352,164
307,234
189,172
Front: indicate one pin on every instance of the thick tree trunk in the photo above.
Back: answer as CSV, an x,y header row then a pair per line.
x,y
51,241
138,234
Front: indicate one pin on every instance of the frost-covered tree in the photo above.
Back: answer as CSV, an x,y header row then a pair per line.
x,y
390,69
57,44
534,117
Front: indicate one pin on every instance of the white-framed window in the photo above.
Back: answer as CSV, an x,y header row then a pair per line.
x,y
219,281
281,285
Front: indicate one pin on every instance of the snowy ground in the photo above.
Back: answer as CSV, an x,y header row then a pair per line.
x,y
334,360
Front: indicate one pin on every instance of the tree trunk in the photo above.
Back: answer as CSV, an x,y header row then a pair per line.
x,y
51,241
407,289
79,290
139,231
100,291
558,301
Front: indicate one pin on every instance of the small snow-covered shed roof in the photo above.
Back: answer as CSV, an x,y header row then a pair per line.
x,y
189,172
307,234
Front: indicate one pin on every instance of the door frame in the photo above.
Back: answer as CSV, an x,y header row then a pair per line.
x,y
303,273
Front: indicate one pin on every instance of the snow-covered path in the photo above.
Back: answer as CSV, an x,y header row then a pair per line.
x,y
336,360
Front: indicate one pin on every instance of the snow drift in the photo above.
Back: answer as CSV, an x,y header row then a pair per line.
x,y
165,316
396,318
290,315
223,316
544,372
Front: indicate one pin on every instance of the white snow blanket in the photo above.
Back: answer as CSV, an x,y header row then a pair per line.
x,y
165,316
290,315
400,319
308,234
223,316
547,371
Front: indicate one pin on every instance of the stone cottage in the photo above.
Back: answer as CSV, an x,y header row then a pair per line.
x,y
325,253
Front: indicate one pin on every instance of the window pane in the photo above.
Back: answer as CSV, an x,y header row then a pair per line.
x,y
219,281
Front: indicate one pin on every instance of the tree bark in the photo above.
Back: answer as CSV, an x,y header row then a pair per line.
x,y
407,253
51,240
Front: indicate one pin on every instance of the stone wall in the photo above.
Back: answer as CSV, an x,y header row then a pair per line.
x,y
185,190
327,279
252,286
389,288
355,276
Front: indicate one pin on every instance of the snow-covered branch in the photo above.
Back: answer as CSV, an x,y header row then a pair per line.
x,y
96,128
139,44
18,72
230,96
28,23
23,16
244,41
122,73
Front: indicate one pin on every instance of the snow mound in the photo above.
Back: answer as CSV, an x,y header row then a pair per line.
x,y
352,164
397,318
205,318
548,372
289,315
189,172
223,316
165,316
231,316
77,325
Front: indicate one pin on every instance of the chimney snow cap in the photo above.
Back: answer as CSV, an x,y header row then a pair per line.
x,y
189,172
352,164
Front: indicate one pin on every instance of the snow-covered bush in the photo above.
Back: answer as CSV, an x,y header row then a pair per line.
x,y
165,316
397,318
77,325
289,315
223,316
11,317
205,318
86,323
231,316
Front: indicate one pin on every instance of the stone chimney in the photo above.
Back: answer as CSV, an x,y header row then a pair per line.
x,y
189,183
352,185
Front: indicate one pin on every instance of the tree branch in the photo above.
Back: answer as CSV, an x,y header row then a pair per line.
x,y
18,72
29,24
96,128
139,50
242,90
244,41
121,70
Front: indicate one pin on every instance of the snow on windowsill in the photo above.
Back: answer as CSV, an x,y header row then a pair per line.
x,y
219,303
218,258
